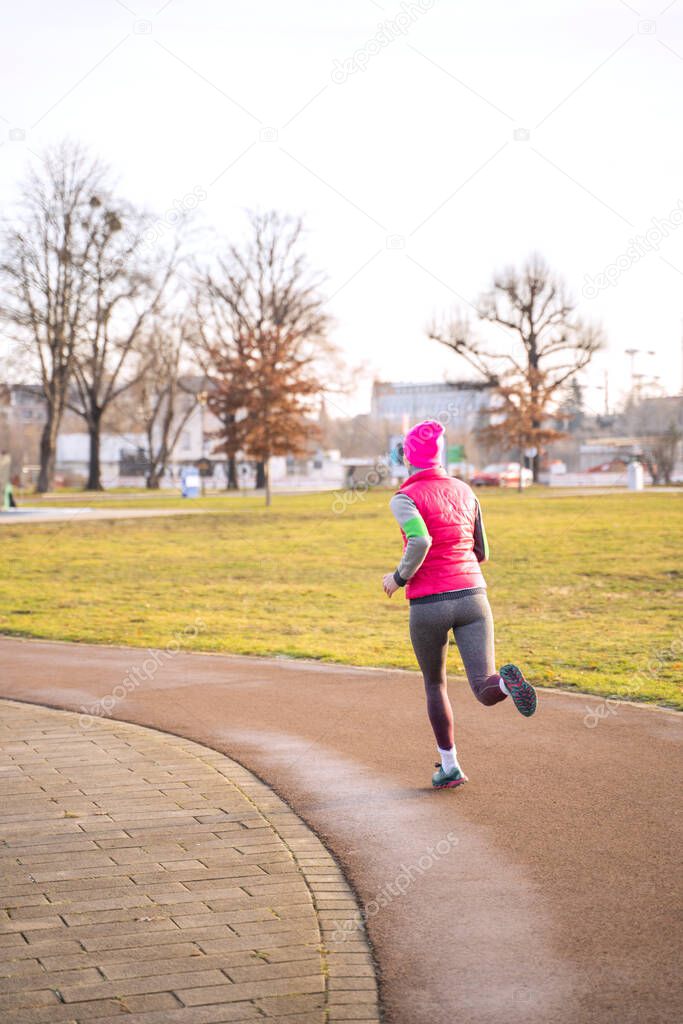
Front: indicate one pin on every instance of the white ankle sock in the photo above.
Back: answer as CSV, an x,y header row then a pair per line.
x,y
503,687
449,759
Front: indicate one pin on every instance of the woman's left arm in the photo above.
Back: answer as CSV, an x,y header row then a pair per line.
x,y
481,544
418,542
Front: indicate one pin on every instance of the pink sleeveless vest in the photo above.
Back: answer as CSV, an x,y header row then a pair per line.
x,y
449,510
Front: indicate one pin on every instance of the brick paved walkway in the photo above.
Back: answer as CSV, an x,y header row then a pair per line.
x,y
148,879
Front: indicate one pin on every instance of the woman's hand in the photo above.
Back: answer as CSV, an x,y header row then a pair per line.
x,y
390,585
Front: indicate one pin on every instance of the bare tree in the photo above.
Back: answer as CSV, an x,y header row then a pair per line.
x,y
127,286
165,403
45,274
547,345
658,422
268,328
660,454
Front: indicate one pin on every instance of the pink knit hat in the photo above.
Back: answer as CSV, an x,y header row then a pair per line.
x,y
423,445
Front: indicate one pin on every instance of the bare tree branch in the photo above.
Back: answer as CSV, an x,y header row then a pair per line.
x,y
551,344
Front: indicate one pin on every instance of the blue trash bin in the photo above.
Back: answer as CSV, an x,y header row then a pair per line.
x,y
190,481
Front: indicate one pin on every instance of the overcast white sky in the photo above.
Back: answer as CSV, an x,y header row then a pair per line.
x,y
413,142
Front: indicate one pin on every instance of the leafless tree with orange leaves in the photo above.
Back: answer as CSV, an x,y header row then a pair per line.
x,y
264,343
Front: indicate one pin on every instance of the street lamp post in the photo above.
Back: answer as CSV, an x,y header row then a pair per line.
x,y
632,353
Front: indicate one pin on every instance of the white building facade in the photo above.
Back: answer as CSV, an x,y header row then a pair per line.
x,y
458,405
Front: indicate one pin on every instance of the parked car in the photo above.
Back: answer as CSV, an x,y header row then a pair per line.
x,y
502,474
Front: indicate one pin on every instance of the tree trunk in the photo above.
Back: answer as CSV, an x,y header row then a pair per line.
x,y
94,470
48,444
266,468
652,467
536,459
260,475
231,473
158,462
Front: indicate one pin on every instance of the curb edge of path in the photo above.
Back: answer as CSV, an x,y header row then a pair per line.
x,y
278,815
283,660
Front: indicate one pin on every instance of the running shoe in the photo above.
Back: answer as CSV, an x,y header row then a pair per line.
x,y
447,780
522,692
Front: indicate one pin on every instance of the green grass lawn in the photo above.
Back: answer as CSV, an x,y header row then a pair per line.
x,y
585,590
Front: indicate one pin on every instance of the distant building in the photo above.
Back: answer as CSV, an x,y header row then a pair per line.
x,y
26,404
23,412
73,454
661,412
459,405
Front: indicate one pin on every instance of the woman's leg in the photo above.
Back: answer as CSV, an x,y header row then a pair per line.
x,y
473,632
429,628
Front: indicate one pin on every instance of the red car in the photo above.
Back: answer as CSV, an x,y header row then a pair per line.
x,y
502,474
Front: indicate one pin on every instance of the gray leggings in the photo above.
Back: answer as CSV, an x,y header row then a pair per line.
x,y
470,618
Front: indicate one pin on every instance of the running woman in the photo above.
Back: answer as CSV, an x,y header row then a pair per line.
x,y
443,543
